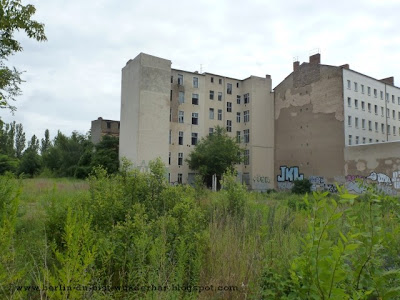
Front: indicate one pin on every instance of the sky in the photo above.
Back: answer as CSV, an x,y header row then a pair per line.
x,y
75,77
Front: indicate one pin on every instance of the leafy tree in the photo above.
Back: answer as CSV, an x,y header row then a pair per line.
x,y
7,135
31,162
215,154
106,154
301,186
14,17
45,142
19,140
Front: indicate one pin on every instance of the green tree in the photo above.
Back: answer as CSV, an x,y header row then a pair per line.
x,y
215,154
45,143
106,154
19,140
14,17
31,162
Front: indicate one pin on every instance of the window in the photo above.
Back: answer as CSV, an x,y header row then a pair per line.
x,y
180,178
376,109
362,88
364,139
398,100
195,82
348,101
356,122
195,99
355,103
181,97
169,177
363,123
387,97
238,136
195,118
211,113
180,116
180,138
246,157
399,115
381,95
376,126
388,129
228,125
382,111
180,79
369,91
220,81
394,114
246,98
246,136
238,117
393,99
169,158
350,138
219,96
229,88
237,84
387,112
212,79
383,128
170,137
369,107
357,139
375,93
229,106
246,116
172,79
180,158
362,105
238,99
394,130
219,114
349,120
170,96
108,125
348,84
356,86
194,138
369,125
370,141
210,131
211,95
377,141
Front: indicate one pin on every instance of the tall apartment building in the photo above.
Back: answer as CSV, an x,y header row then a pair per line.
x,y
165,112
322,112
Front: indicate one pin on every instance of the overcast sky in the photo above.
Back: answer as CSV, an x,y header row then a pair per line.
x,y
75,77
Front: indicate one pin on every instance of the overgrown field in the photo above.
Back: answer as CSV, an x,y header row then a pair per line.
x,y
132,236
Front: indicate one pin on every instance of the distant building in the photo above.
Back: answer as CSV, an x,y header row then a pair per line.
x,y
101,127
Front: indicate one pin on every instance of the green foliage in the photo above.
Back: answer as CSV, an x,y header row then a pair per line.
x,y
236,193
106,154
8,164
31,162
14,17
215,154
301,186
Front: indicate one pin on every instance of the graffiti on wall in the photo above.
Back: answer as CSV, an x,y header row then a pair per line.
x,y
396,179
285,185
379,177
261,183
289,174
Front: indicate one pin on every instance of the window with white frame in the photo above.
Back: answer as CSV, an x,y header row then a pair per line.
x,y
180,158
238,98
376,126
195,99
180,117
357,139
387,97
195,118
362,105
393,99
388,129
370,141
180,79
219,114
381,95
246,98
238,117
375,93
246,116
195,82
383,128
369,107
228,125
211,95
180,176
229,106
194,138
349,120
363,140
210,131
370,125
211,113
355,86
238,136
246,157
363,123
362,88
356,122
246,136
219,96
229,88
355,103
394,114
180,138
349,84
348,101
369,91
376,109
350,139
382,111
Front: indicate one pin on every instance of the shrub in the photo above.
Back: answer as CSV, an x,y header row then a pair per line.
x,y
301,186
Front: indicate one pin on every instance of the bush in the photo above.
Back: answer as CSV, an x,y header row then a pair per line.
x,y
301,186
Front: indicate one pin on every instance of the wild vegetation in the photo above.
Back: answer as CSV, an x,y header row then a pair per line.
x,y
130,235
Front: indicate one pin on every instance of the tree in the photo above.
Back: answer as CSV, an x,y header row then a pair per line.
x,y
14,17
45,143
19,140
30,162
106,154
215,154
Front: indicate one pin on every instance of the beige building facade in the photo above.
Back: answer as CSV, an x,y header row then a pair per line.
x,y
165,112
102,127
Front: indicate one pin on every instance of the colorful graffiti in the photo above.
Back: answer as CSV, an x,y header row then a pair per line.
x,y
396,179
261,183
289,174
379,177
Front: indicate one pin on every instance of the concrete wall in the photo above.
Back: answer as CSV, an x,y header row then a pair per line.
x,y
145,94
309,130
377,163
102,127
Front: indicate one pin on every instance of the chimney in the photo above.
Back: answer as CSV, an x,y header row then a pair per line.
x,y
345,66
296,64
315,59
389,80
